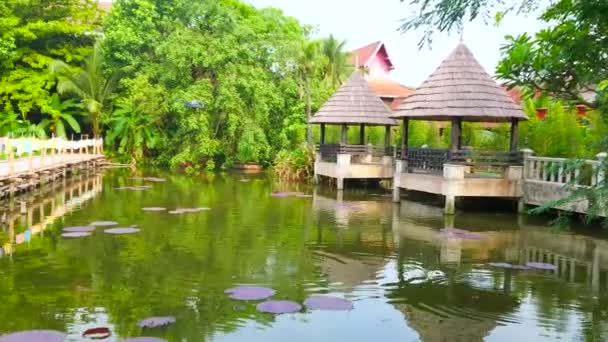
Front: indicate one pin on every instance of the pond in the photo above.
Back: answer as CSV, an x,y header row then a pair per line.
x,y
406,272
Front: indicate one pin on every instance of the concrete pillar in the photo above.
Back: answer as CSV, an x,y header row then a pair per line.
x,y
397,181
527,165
342,165
601,175
452,176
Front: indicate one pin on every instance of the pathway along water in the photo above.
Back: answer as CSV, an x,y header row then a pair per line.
x,y
410,274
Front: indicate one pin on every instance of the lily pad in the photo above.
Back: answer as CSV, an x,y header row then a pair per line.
x,y
153,322
500,264
34,336
250,292
79,229
154,179
328,303
154,209
541,266
103,223
144,339
304,195
279,306
118,231
76,234
97,333
279,194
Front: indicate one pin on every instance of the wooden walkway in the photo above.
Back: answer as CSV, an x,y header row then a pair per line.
x,y
31,162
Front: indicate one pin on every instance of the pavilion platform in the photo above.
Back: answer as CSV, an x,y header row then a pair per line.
x,y
354,104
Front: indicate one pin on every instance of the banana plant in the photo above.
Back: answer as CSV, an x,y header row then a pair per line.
x,y
60,113
132,130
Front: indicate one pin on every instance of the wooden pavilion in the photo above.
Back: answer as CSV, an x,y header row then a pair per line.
x,y
354,104
460,91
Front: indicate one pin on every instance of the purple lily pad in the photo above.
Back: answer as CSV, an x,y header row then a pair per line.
x,y
500,264
176,212
279,194
154,179
279,306
34,336
144,339
153,322
79,229
153,209
304,195
250,292
521,267
541,266
76,234
118,231
103,223
454,231
328,303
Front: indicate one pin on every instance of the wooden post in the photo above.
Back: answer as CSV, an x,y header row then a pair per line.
x,y
387,135
404,135
11,160
30,156
456,133
343,135
514,134
362,135
322,140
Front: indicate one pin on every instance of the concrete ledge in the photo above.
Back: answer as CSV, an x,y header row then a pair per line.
x,y
466,187
354,171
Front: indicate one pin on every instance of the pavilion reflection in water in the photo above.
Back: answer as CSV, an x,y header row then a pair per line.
x,y
23,217
473,299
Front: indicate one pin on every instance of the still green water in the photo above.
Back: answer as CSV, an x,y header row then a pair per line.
x,y
407,282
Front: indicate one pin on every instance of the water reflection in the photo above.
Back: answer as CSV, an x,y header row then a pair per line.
x,y
406,279
30,214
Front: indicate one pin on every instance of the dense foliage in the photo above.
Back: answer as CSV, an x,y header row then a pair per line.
x,y
32,35
195,85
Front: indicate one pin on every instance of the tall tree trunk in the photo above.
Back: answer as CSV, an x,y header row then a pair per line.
x,y
308,113
95,123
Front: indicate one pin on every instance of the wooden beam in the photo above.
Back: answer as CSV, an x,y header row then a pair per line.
x,y
362,135
343,135
404,136
514,134
387,135
456,134
322,141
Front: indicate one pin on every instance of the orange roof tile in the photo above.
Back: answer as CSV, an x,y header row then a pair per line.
x,y
389,88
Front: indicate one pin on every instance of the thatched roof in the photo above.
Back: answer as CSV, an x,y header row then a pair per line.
x,y
354,103
460,87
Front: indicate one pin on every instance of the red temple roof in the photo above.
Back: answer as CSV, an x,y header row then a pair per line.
x,y
363,55
388,88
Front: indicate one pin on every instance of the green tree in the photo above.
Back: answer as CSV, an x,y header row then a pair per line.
x,y
89,84
309,66
32,35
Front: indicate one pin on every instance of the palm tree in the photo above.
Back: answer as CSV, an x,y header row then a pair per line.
x,y
88,83
309,65
336,60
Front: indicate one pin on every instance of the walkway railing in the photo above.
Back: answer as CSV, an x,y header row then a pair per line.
x,y
19,155
432,160
329,152
564,171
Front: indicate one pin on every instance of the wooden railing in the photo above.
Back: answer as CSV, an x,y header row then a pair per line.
x,y
329,152
563,171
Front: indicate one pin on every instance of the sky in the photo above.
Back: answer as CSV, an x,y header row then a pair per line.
x,y
361,22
